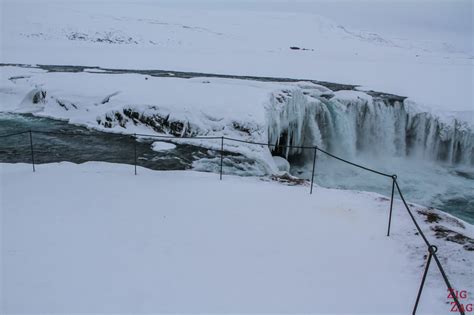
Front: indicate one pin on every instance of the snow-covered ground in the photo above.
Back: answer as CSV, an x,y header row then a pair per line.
x,y
210,38
95,238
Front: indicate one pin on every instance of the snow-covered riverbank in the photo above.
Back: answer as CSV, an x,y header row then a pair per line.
x,y
187,242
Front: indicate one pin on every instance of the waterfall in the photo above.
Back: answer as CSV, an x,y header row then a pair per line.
x,y
349,123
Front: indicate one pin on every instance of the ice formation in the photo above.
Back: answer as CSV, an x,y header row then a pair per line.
x,y
162,146
348,123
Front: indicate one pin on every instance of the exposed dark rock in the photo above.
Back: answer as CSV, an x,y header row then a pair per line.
x,y
288,179
392,98
39,96
454,221
469,247
453,236
327,96
102,37
242,128
160,123
14,78
430,217
131,114
120,119
299,48
108,97
63,105
457,238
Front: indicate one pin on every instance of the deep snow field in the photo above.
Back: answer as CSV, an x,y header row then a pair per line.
x,y
99,239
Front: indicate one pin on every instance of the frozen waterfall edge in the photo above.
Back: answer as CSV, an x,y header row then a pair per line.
x,y
349,123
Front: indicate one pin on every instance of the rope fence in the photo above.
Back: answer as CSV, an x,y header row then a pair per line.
x,y
432,249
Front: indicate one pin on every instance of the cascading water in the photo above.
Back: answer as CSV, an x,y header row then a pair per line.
x,y
432,155
350,123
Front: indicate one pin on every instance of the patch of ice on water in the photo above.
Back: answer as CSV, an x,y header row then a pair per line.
x,y
162,146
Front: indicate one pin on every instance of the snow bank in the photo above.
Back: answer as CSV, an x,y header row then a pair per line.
x,y
187,242
281,164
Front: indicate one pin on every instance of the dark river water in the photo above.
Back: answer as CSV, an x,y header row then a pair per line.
x,y
65,142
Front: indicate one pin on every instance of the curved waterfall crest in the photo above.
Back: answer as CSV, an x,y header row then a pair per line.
x,y
352,122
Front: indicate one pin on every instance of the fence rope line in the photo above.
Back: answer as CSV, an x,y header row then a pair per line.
x,y
354,164
432,253
314,147
135,135
13,134
411,215
180,137
270,145
217,138
431,248
78,134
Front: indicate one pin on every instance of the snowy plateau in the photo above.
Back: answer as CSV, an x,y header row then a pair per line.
x,y
94,238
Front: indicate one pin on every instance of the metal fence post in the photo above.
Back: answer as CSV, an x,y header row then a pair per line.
x,y
32,153
314,165
222,155
431,250
394,178
135,150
